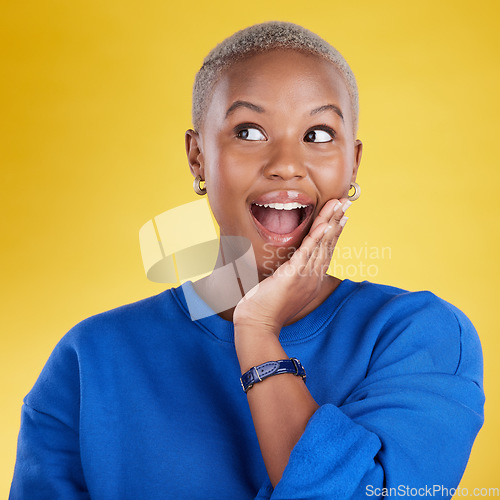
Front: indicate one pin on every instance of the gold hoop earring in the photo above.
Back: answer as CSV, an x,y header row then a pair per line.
x,y
197,188
357,191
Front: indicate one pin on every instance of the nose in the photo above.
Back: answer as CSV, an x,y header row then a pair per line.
x,y
285,162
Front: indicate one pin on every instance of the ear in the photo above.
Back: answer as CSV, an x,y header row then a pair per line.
x,y
194,154
358,150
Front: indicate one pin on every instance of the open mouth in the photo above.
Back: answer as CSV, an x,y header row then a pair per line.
x,y
281,222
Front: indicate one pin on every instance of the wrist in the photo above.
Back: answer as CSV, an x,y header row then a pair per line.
x,y
254,327
255,345
260,372
255,335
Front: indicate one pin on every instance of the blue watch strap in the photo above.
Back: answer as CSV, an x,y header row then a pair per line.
x,y
260,372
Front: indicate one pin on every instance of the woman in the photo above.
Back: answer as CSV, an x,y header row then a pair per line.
x,y
144,402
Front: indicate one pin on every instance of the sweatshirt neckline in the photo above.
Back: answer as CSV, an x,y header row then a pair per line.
x,y
298,331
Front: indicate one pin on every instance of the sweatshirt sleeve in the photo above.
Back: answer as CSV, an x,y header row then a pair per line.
x,y
409,425
48,461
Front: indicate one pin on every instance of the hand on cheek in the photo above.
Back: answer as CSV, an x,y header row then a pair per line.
x,y
297,282
315,253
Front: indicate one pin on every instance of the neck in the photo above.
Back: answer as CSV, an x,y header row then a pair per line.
x,y
223,288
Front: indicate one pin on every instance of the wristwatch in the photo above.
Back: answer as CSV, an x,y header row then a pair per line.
x,y
259,373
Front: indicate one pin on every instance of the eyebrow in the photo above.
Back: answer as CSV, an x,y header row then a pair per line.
x,y
243,104
258,109
326,107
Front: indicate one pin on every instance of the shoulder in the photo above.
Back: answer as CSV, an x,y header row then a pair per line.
x,y
103,339
394,302
384,306
421,325
125,321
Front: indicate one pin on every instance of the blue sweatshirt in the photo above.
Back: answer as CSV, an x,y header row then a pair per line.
x,y
142,403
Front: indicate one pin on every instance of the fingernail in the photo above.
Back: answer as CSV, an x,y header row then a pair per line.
x,y
343,221
346,205
337,205
327,228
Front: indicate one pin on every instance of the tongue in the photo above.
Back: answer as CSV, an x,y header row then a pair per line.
x,y
277,221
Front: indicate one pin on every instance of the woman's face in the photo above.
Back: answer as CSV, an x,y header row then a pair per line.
x,y
278,131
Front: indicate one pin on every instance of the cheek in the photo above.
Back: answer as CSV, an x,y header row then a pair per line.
x,y
332,173
229,173
227,184
227,192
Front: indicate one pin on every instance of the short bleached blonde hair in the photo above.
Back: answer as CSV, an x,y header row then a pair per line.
x,y
261,38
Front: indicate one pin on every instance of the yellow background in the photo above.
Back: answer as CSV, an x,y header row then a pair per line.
x,y
95,101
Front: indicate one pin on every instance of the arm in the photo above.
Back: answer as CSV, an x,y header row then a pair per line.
x,y
281,406
48,461
409,424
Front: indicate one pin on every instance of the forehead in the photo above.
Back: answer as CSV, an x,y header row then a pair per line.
x,y
281,79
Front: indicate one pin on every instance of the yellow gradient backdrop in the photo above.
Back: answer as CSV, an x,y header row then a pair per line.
x,y
95,99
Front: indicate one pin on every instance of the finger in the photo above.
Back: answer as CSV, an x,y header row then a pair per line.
x,y
339,211
298,261
329,217
315,263
328,245
335,227
330,237
316,253
332,212
326,212
324,229
321,257
302,256
313,239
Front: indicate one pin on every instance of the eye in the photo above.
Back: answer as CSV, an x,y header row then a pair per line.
x,y
250,134
325,134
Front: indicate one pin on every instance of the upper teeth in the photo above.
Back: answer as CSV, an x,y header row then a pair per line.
x,y
282,206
